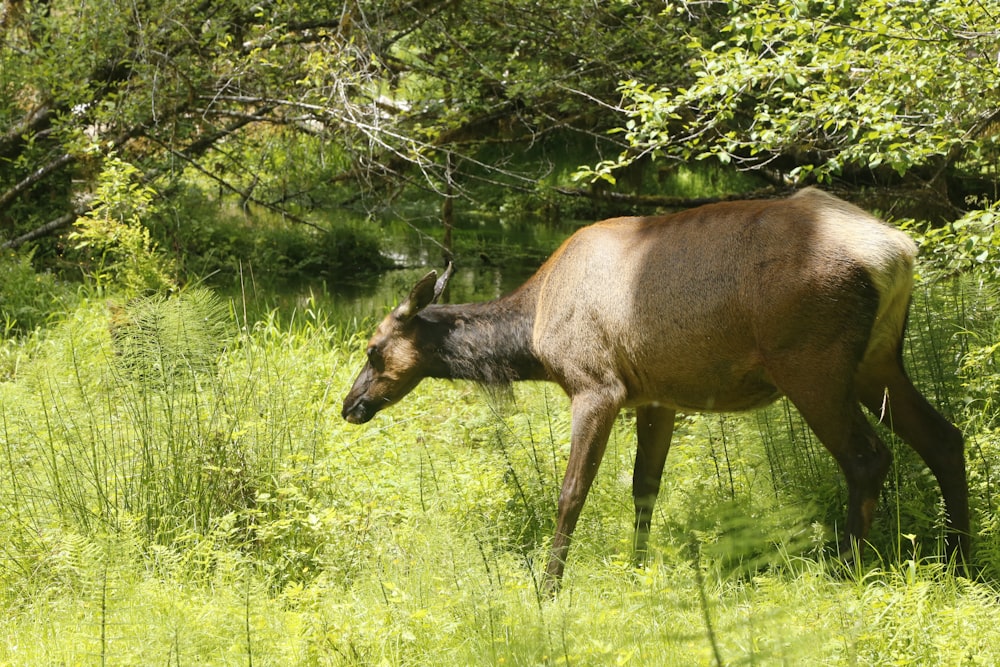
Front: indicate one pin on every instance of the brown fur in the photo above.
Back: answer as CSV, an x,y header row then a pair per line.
x,y
723,307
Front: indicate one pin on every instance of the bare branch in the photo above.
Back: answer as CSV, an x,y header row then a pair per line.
x,y
663,201
48,228
8,197
246,196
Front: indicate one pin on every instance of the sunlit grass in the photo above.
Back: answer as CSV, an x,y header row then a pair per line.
x,y
432,600
233,518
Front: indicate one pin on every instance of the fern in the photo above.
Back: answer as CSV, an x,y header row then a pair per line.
x,y
168,341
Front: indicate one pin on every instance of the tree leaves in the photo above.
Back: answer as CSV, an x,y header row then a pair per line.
x,y
823,89
402,94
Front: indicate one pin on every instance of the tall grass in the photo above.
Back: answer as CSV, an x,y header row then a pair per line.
x,y
178,488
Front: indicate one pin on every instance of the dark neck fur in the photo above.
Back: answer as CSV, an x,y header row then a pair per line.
x,y
489,342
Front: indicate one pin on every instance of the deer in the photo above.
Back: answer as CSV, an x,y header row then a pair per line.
x,y
724,307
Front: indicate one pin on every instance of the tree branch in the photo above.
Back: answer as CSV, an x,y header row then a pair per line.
x,y
245,196
33,122
8,197
46,229
663,201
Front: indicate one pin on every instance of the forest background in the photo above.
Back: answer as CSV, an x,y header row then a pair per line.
x,y
178,487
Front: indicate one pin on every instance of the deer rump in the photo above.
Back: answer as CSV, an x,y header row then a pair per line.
x,y
720,308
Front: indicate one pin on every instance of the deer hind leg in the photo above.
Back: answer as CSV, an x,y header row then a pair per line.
x,y
830,407
654,427
888,393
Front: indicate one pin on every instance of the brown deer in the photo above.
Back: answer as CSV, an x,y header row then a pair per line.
x,y
720,308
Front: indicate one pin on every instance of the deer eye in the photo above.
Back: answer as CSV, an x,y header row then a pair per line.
x,y
375,357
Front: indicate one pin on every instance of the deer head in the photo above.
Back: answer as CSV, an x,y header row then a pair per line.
x,y
397,355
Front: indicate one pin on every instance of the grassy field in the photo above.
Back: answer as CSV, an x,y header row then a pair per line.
x,y
179,489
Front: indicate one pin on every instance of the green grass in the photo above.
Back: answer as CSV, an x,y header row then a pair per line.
x,y
179,489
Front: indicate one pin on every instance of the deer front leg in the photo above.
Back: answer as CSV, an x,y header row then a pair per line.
x,y
593,415
654,428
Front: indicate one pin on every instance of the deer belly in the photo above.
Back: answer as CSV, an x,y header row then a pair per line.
x,y
713,390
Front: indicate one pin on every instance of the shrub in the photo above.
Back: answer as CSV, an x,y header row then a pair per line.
x,y
971,243
27,298
112,231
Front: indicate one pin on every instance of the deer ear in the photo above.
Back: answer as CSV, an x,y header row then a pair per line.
x,y
425,292
442,282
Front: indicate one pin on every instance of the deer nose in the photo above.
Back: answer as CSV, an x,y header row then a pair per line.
x,y
356,411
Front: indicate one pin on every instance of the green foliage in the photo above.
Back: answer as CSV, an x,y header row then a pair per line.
x,y
27,298
209,238
136,437
159,341
362,103
969,245
112,231
814,90
341,251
